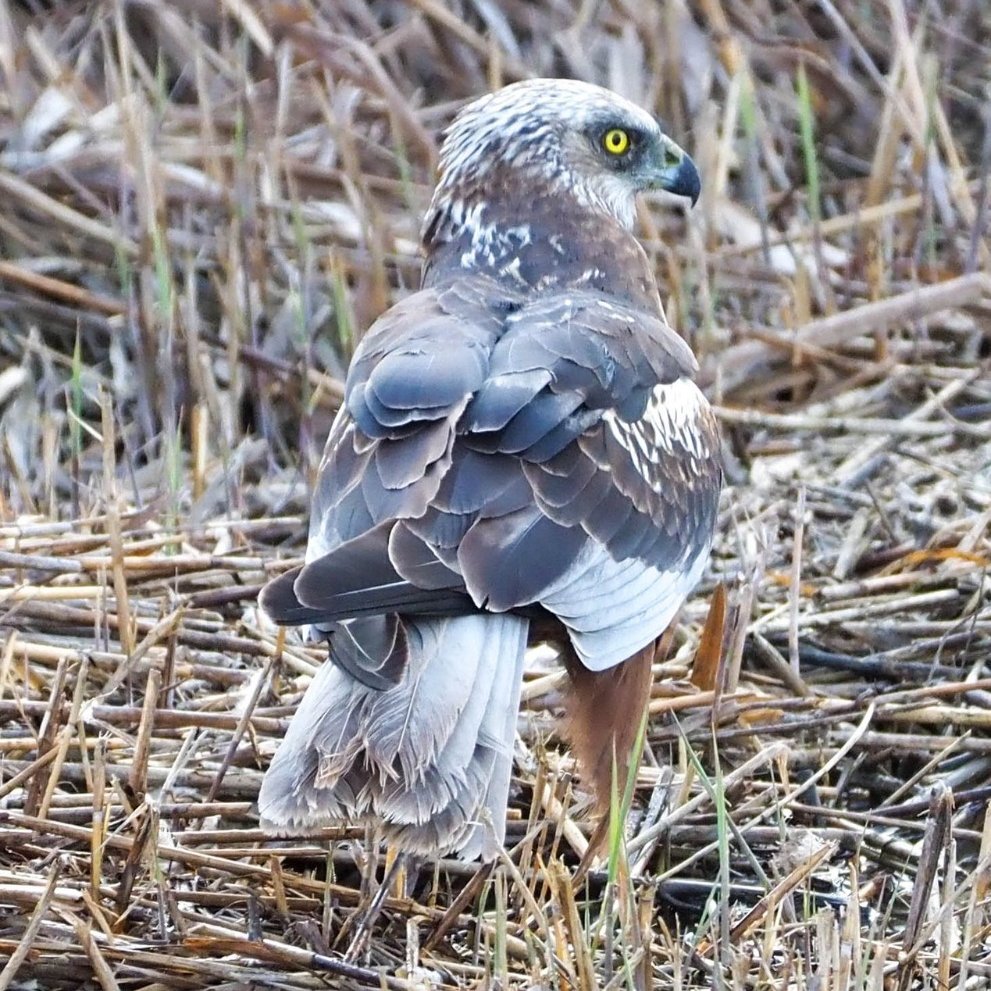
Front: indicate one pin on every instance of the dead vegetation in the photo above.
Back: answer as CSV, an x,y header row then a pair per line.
x,y
203,205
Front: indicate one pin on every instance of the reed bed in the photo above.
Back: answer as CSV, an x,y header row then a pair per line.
x,y
203,207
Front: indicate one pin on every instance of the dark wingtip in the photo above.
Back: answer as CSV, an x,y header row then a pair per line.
x,y
278,599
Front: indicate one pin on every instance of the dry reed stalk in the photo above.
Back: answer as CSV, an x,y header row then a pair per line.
x,y
201,217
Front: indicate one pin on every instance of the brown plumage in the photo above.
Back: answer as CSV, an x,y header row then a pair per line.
x,y
521,455
603,714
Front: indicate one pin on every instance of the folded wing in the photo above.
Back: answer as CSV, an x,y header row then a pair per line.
x,y
500,455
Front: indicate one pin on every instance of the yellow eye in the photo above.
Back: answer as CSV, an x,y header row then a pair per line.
x,y
616,141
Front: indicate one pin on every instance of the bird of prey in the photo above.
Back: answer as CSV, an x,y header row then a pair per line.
x,y
521,455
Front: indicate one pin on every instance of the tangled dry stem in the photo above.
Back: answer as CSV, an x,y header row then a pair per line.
x,y
203,207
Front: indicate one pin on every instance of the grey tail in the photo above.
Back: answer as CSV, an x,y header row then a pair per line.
x,y
429,756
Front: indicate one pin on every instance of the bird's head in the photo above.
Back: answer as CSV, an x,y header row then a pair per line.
x,y
567,136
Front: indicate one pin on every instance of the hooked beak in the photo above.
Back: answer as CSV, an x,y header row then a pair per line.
x,y
676,172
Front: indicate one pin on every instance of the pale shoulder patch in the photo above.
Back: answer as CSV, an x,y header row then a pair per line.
x,y
673,423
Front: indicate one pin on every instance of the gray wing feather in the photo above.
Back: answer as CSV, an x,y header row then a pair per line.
x,y
508,561
488,445
501,398
400,463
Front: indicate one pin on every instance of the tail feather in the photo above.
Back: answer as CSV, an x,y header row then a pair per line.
x,y
409,727
475,814
498,733
413,815
426,756
441,783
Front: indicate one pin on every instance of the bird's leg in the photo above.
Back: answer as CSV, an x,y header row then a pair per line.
x,y
394,872
604,710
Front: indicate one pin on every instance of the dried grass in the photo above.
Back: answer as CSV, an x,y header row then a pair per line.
x,y
203,206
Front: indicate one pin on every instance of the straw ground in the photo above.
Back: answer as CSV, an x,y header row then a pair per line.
x,y
203,207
